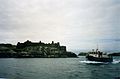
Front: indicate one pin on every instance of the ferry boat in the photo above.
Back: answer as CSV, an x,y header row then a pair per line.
x,y
99,56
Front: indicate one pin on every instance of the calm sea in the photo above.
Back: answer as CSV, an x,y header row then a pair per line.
x,y
58,68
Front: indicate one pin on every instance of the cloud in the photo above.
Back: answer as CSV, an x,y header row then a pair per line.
x,y
72,22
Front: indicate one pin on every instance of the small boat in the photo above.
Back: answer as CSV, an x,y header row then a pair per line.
x,y
99,56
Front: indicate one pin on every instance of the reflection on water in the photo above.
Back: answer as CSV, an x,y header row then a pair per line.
x,y
58,68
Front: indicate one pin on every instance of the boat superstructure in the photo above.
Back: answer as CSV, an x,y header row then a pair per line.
x,y
99,56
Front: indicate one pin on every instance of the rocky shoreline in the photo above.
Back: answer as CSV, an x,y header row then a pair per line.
x,y
30,49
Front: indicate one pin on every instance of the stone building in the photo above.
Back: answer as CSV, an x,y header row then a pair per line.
x,y
41,49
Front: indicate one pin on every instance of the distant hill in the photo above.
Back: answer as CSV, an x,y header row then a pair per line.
x,y
82,54
115,54
112,54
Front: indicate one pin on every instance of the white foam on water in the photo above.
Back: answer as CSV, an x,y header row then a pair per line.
x,y
116,61
91,62
95,62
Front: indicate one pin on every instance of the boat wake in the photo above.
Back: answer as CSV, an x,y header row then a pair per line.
x,y
95,62
116,61
91,62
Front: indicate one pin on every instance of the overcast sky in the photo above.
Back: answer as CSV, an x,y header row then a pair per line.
x,y
77,24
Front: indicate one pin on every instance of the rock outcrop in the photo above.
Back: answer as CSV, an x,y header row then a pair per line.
x,y
30,49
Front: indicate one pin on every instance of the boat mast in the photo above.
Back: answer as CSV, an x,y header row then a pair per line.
x,y
97,48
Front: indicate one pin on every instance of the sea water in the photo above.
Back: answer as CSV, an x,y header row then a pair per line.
x,y
58,68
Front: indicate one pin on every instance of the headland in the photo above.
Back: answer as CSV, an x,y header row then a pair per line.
x,y
30,49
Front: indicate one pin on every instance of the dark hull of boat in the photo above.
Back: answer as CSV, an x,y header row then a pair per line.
x,y
91,58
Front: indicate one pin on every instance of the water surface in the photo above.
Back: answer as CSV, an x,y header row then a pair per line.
x,y
58,68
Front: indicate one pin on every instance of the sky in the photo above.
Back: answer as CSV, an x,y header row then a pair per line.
x,y
77,24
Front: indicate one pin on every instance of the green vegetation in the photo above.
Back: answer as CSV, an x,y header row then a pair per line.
x,y
30,49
